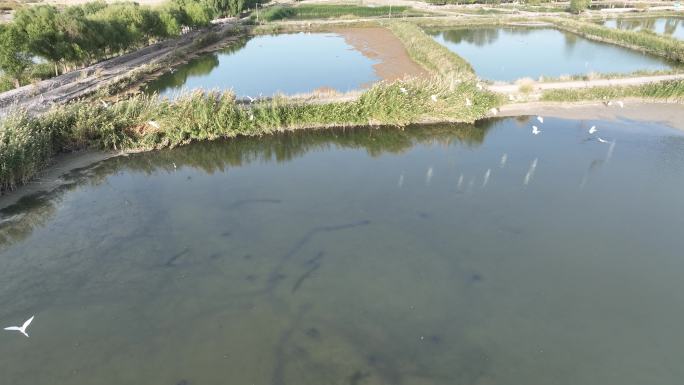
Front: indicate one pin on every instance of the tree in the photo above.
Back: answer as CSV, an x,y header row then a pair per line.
x,y
13,56
578,6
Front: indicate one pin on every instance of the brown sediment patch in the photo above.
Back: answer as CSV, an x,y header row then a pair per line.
x,y
670,114
381,45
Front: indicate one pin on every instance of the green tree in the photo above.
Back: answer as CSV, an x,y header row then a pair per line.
x,y
578,6
13,56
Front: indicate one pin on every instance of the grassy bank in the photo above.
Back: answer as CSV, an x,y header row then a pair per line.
x,y
315,11
433,56
142,123
645,42
668,90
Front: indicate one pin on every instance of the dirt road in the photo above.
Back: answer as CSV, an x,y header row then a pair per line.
x,y
79,83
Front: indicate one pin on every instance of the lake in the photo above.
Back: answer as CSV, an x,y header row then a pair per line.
x,y
511,53
668,26
449,254
266,65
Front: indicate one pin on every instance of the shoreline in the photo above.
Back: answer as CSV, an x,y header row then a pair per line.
x,y
670,114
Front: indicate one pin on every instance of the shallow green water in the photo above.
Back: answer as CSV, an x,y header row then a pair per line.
x,y
369,256
266,65
668,26
510,53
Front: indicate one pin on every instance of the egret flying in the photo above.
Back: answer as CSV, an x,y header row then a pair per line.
x,y
403,90
540,119
434,98
494,110
620,103
23,327
602,140
153,124
485,180
592,130
469,102
535,130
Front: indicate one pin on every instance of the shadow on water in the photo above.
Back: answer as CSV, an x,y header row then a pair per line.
x,y
18,221
201,65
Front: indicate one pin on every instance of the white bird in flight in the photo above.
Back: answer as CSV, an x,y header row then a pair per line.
x,y
535,130
602,140
23,327
403,90
592,130
540,119
469,102
479,86
494,110
621,104
153,124
434,98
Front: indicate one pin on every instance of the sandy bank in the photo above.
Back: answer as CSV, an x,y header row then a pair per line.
x,y
670,114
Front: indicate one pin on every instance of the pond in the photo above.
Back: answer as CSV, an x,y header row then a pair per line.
x,y
431,255
668,26
510,53
343,60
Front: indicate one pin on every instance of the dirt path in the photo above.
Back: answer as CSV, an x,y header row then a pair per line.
x,y
79,83
538,88
671,114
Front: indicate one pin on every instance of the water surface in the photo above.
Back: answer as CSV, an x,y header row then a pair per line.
x,y
433,255
510,53
668,26
266,65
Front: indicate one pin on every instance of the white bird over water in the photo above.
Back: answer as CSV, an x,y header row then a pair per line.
x,y
23,327
592,130
535,130
602,140
540,119
485,180
428,175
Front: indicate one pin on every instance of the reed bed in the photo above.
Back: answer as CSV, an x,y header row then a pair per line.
x,y
147,122
650,43
322,11
668,90
433,56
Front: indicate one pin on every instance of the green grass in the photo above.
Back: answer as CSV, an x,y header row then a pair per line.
x,y
305,12
28,142
651,43
670,90
433,56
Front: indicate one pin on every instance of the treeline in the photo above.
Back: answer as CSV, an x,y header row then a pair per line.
x,y
76,36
